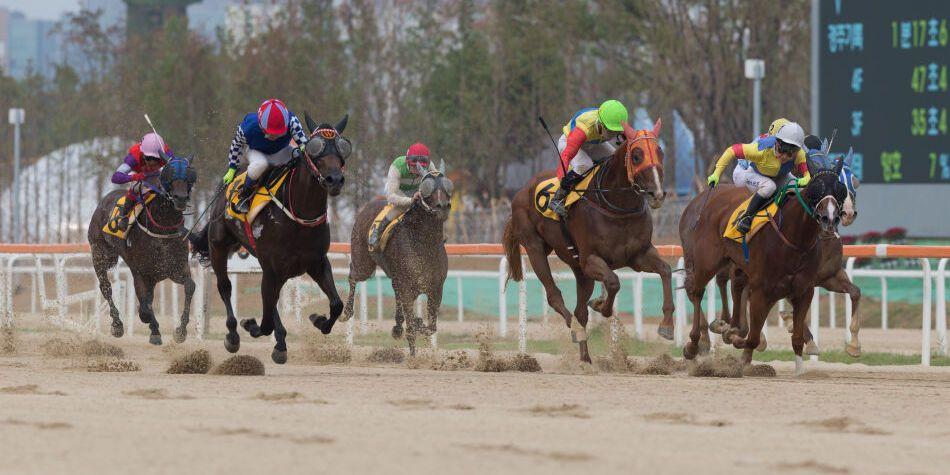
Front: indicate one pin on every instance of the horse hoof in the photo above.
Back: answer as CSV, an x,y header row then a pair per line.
x,y
155,339
250,325
318,321
180,334
853,349
279,357
232,344
811,348
397,332
117,329
595,304
718,326
787,320
689,351
665,332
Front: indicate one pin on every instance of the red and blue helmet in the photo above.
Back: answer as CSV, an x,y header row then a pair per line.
x,y
273,117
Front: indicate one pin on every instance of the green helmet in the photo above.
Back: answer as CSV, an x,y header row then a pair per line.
x,y
612,114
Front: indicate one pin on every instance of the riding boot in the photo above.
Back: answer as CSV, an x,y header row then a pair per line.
x,y
376,235
127,207
570,180
247,193
744,223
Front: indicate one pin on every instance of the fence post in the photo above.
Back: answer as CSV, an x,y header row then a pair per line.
x,y
815,316
680,304
711,308
926,324
379,297
523,316
638,305
848,310
883,303
942,308
502,304
460,299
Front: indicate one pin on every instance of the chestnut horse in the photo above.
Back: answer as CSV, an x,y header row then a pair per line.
x,y
783,260
610,228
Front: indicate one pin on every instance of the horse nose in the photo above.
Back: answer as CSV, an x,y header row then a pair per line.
x,y
335,179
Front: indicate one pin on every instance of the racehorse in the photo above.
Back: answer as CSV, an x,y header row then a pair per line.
x,y
414,256
831,274
782,259
288,239
609,228
152,248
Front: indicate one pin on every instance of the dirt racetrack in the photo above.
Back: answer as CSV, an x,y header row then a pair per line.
x,y
56,416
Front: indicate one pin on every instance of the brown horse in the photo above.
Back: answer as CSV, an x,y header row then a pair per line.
x,y
610,228
783,261
290,240
414,257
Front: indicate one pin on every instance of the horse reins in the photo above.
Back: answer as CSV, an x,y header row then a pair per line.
x,y
607,206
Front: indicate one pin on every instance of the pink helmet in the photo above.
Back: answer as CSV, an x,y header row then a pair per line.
x,y
153,145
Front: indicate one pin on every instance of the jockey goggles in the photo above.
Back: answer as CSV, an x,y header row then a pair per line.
x,y
420,161
785,148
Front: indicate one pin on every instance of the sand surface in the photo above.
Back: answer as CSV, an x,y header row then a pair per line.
x,y
58,417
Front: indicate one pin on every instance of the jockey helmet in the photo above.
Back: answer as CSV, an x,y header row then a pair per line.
x,y
776,125
791,136
612,114
273,117
152,145
417,158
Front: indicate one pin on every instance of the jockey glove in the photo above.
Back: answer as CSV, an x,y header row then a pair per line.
x,y
229,176
803,181
713,179
138,176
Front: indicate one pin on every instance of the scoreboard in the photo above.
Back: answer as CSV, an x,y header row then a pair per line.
x,y
883,79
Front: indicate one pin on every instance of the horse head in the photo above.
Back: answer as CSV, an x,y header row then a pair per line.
x,y
825,194
643,160
436,190
326,153
177,178
851,182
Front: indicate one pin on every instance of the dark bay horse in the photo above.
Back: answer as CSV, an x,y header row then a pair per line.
x,y
611,228
293,239
831,273
783,259
414,257
153,248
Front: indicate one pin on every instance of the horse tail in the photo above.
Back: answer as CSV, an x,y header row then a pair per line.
x,y
512,252
200,248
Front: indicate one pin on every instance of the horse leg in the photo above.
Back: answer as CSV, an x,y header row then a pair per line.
x,y
350,300
321,272
268,302
650,261
270,321
596,268
840,283
184,278
542,269
433,303
585,287
800,305
405,304
145,292
719,324
219,263
758,310
695,286
102,263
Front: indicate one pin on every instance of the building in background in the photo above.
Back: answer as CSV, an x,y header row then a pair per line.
x,y
112,12
245,21
145,16
29,46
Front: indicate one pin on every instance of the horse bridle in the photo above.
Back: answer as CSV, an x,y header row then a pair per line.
x,y
628,157
326,134
434,175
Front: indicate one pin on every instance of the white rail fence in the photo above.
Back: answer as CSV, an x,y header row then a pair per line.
x,y
39,268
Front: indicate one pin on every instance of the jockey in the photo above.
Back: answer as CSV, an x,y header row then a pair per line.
x,y
142,162
402,188
267,135
770,159
591,135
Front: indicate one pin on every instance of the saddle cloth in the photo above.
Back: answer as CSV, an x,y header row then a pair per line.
x,y
261,197
112,225
388,231
758,221
546,189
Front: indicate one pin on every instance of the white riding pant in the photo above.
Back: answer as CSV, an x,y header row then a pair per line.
x,y
258,162
584,160
747,176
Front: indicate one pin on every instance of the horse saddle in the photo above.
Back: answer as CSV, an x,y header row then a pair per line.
x,y
112,227
761,217
389,228
544,192
261,197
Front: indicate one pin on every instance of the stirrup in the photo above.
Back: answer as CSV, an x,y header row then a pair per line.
x,y
744,224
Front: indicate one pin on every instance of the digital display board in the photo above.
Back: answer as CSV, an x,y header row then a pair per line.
x,y
883,84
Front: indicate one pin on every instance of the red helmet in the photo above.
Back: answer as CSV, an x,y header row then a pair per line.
x,y
417,157
273,117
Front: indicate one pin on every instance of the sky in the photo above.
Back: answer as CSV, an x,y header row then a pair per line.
x,y
41,10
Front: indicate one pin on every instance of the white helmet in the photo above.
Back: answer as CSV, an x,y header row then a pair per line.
x,y
792,134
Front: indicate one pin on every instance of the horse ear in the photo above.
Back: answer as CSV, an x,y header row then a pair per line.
x,y
811,167
628,131
657,126
341,125
442,167
849,157
311,124
825,146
